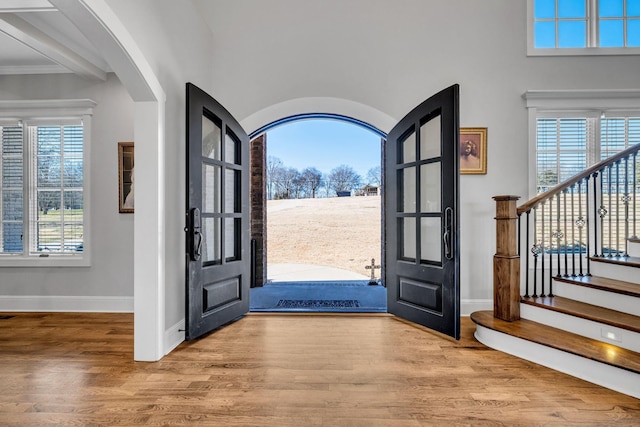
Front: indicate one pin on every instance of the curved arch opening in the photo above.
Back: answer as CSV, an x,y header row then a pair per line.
x,y
319,233
310,116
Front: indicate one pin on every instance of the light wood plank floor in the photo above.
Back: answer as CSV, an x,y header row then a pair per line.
x,y
284,370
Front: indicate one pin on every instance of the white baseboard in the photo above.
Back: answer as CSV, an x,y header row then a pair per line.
x,y
66,303
173,337
468,306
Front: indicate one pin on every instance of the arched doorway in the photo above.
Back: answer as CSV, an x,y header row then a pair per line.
x,y
307,258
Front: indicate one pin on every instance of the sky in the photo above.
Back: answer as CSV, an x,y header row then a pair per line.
x,y
324,144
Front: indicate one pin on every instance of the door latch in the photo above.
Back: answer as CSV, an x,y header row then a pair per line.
x,y
447,236
195,236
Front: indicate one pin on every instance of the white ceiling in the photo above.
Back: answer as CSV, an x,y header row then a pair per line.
x,y
37,39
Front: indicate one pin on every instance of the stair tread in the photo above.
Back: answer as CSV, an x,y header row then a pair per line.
x,y
587,311
561,340
605,284
630,261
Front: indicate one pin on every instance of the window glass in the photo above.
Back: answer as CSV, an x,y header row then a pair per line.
x,y
567,146
572,8
580,24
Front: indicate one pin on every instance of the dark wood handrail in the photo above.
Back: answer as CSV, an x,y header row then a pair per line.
x,y
527,206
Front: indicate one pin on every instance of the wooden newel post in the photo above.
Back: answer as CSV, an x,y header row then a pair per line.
x,y
506,261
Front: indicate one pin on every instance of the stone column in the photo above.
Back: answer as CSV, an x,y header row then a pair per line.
x,y
259,208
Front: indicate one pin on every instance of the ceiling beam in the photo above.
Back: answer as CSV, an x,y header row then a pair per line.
x,y
31,36
15,6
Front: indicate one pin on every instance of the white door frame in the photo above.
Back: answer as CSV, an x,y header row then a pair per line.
x,y
97,21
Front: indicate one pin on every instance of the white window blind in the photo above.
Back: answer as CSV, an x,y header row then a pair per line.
x,y
11,190
54,189
565,146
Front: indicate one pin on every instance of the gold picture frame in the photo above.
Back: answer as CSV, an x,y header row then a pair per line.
x,y
125,177
473,151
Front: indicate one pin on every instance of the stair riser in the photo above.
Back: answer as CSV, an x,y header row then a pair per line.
x,y
614,271
598,373
634,249
587,328
610,300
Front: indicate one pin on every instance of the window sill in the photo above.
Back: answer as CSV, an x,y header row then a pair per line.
x,y
588,51
50,261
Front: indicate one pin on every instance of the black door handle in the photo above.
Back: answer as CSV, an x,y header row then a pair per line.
x,y
195,237
446,237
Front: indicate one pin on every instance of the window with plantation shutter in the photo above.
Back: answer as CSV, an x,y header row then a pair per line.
x,y
44,209
565,146
43,165
56,208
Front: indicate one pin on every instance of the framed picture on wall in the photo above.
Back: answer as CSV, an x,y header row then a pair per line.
x,y
473,151
125,177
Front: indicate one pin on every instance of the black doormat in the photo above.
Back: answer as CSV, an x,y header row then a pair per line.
x,y
318,303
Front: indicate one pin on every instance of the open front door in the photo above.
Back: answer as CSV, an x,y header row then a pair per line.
x,y
421,215
218,229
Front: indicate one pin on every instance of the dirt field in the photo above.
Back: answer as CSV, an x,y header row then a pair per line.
x,y
340,232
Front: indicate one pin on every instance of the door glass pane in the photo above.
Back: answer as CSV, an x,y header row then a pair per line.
x,y
408,238
430,139
430,187
408,197
211,136
431,240
231,150
408,154
231,228
211,240
211,188
231,196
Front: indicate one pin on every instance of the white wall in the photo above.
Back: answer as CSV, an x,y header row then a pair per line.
x,y
385,55
177,44
109,280
391,55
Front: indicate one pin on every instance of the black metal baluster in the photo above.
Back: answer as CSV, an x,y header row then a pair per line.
x,y
595,213
610,218
617,193
580,223
542,237
558,233
551,248
535,250
588,222
626,199
565,234
633,189
550,244
526,275
573,231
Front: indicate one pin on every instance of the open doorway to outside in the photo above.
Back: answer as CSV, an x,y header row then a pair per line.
x,y
322,188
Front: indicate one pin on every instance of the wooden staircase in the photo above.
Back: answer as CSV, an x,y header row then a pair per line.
x,y
587,326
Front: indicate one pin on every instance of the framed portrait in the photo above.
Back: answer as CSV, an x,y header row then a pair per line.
x,y
473,151
125,177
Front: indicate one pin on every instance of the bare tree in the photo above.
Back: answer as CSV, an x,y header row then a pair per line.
x,y
288,179
344,178
374,176
312,180
274,167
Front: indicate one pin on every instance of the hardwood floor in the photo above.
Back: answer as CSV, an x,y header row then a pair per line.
x,y
283,370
